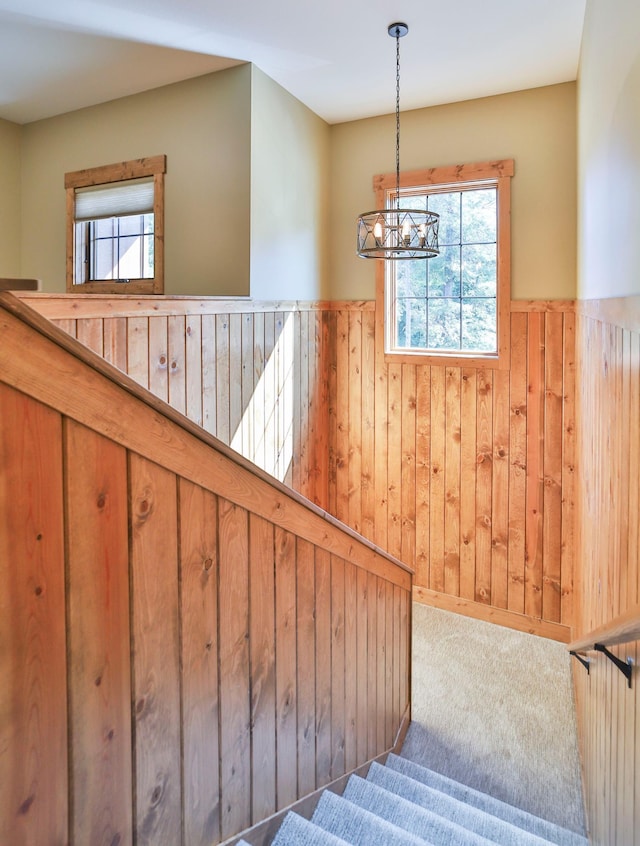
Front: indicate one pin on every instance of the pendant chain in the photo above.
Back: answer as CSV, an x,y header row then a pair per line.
x,y
398,119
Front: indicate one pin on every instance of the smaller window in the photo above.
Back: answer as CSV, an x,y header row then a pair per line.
x,y
456,305
115,228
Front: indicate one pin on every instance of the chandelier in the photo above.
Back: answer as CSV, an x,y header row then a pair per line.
x,y
395,233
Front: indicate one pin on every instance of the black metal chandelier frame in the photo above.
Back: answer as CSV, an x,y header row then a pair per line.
x,y
397,233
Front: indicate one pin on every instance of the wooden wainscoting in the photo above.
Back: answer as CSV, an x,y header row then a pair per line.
x,y
247,372
466,474
186,645
607,543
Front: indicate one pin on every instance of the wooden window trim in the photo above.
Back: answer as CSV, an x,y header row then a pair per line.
x,y
501,172
155,166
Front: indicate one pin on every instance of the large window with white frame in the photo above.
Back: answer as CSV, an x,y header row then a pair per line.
x,y
455,306
115,228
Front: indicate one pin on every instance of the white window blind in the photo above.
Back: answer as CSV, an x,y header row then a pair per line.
x,y
135,196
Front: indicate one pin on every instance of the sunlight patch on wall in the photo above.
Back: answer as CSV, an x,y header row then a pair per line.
x,y
265,433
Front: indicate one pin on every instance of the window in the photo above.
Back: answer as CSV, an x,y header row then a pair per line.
x,y
115,228
455,306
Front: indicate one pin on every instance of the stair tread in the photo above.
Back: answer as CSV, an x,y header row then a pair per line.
x,y
359,827
296,830
404,794
406,804
421,822
484,802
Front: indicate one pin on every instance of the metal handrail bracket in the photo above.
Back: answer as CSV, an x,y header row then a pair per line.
x,y
584,661
625,667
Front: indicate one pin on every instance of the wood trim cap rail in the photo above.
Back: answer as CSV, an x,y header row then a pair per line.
x,y
624,629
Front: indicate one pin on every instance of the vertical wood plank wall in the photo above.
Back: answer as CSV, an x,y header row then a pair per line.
x,y
250,378
175,632
465,474
607,544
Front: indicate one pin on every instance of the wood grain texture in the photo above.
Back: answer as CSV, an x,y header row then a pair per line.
x,y
500,492
99,637
115,341
62,307
381,663
394,459
91,333
484,486
176,333
286,669
625,628
468,469
33,663
263,667
156,649
153,429
222,656
338,667
235,717
306,670
372,665
351,664
518,462
323,667
466,474
607,492
534,516
199,663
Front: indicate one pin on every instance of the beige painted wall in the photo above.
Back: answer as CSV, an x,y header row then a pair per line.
x,y
204,127
289,195
609,151
10,198
537,128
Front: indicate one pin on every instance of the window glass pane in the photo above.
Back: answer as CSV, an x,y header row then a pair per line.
x,y
118,249
479,216
412,322
454,293
444,324
79,252
130,257
103,228
131,225
479,325
411,278
479,270
413,201
147,256
443,273
448,207
103,259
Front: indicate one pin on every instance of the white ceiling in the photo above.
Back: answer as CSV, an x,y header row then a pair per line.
x,y
334,55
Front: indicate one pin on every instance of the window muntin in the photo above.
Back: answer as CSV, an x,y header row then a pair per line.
x,y
462,297
448,303
115,248
115,228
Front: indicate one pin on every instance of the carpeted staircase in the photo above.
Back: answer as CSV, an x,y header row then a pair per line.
x,y
404,804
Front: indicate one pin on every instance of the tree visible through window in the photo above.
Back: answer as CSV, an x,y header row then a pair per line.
x,y
455,304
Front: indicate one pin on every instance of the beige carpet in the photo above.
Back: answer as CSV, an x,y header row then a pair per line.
x,y
493,708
